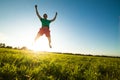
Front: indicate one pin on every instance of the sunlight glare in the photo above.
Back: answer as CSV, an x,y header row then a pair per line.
x,y
40,45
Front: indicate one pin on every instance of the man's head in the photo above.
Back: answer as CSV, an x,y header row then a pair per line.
x,y
45,16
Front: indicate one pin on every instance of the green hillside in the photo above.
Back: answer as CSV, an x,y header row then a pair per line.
x,y
29,65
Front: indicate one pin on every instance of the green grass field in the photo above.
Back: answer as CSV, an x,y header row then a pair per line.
x,y
29,65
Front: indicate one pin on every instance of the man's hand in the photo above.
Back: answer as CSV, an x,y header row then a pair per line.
x,y
54,17
56,14
37,12
35,6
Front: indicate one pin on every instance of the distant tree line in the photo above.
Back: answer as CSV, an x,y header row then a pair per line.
x,y
2,45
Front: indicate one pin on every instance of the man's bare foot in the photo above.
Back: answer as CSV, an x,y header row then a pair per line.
x,y
50,46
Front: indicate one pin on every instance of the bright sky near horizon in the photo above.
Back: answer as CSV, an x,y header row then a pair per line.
x,y
82,26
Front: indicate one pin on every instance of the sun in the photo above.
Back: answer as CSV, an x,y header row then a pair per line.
x,y
40,45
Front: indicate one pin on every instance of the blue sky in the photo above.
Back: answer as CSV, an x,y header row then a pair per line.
x,y
82,26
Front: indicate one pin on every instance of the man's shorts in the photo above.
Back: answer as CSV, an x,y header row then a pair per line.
x,y
44,30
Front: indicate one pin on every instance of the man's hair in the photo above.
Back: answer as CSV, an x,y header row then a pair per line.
x,y
44,15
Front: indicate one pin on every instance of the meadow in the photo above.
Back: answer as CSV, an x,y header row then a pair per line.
x,y
30,65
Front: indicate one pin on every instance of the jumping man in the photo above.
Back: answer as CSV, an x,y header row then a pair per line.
x,y
45,26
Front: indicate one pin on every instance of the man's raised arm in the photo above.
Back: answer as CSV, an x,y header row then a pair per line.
x,y
37,12
54,17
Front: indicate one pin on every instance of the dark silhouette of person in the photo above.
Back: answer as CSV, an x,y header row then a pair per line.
x,y
45,26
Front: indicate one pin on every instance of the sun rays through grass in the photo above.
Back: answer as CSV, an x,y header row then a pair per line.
x,y
24,65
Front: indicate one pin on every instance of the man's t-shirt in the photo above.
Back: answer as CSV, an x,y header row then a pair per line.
x,y
45,23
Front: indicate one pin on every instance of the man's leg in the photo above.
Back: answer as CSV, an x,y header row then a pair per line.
x,y
47,33
38,35
49,40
